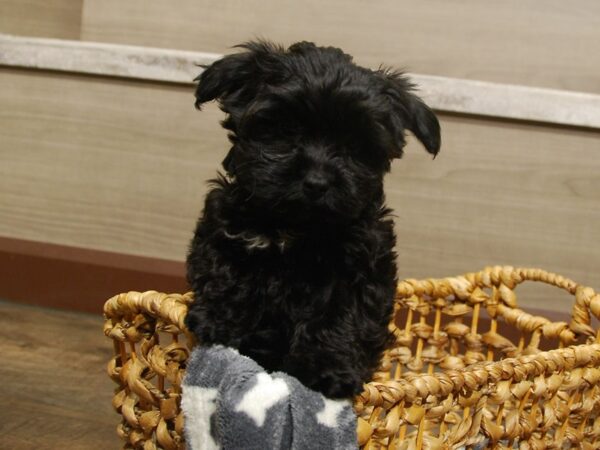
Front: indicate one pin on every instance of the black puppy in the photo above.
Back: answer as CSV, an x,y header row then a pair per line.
x,y
293,258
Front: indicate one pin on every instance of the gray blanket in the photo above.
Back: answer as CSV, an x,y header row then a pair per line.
x,y
230,402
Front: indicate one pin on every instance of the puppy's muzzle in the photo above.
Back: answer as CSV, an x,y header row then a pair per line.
x,y
315,185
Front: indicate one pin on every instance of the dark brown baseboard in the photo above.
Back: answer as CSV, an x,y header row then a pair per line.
x,y
58,276
79,279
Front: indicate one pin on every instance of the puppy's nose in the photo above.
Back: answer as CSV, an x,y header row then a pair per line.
x,y
315,185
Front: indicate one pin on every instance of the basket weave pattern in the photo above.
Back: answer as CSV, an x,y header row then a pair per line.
x,y
466,368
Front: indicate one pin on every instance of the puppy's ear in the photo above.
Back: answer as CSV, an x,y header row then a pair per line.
x,y
235,79
224,77
424,125
409,111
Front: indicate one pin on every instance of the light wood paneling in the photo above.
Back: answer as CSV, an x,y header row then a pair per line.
x,y
501,193
548,43
103,164
46,18
121,166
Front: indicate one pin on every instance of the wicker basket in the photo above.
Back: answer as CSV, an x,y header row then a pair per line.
x,y
467,369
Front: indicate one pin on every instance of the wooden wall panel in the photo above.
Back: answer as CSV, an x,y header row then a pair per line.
x,y
121,166
103,164
45,18
501,193
548,43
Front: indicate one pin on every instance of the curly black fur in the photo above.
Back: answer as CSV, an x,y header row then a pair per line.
x,y
292,261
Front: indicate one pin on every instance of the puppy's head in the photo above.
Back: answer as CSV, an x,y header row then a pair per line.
x,y
313,134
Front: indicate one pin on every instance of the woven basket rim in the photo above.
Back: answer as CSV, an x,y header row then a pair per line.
x,y
488,277
416,387
412,387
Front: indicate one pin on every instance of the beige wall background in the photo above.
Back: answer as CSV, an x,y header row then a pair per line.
x,y
121,165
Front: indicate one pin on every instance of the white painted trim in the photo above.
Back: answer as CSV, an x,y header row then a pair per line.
x,y
145,63
510,101
444,94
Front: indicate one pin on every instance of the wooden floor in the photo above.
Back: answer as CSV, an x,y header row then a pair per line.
x,y
53,384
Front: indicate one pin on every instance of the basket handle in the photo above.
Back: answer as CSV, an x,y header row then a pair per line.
x,y
586,300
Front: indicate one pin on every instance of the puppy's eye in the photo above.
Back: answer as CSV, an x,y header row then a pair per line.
x,y
366,155
355,150
259,129
269,130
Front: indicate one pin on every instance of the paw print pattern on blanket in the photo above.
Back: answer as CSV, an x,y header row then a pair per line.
x,y
230,402
263,395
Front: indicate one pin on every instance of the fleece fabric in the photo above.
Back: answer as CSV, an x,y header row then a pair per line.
x,y
230,402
